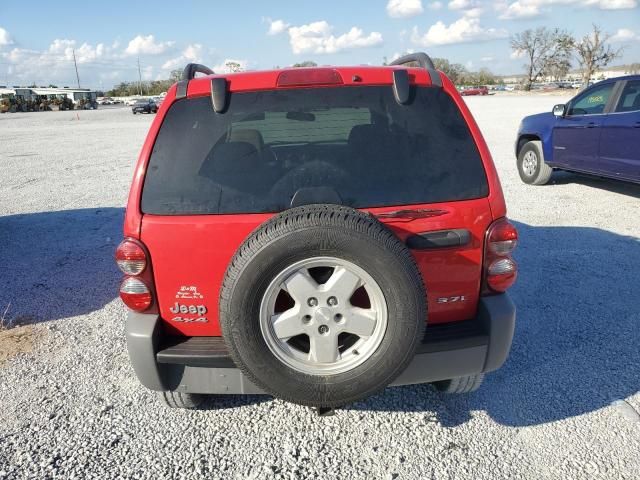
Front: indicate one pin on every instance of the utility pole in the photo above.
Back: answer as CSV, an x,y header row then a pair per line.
x,y
139,77
76,65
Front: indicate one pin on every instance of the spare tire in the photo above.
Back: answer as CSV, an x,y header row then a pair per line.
x,y
322,305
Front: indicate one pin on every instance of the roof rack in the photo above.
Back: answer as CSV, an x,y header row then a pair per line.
x,y
189,73
424,61
191,69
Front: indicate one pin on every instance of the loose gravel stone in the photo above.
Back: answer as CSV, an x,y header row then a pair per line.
x,y
72,407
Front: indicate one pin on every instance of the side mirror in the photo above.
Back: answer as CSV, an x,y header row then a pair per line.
x,y
558,110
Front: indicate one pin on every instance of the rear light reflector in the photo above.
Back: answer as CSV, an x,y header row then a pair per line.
x,y
130,257
504,247
135,294
500,270
309,76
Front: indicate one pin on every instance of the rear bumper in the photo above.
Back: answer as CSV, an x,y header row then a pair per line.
x,y
203,365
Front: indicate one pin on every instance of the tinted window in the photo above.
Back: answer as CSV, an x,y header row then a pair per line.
x,y
591,102
354,141
630,98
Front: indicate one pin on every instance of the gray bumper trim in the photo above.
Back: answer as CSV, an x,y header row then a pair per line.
x,y
496,313
143,337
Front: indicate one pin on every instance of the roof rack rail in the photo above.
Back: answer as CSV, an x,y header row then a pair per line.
x,y
189,73
424,61
191,69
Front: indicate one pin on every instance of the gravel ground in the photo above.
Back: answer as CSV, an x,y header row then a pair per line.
x,y
564,406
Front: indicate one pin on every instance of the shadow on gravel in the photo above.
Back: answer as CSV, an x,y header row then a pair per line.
x,y
576,342
58,264
614,186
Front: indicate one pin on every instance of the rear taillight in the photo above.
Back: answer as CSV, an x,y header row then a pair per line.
x,y
130,257
500,270
135,291
135,294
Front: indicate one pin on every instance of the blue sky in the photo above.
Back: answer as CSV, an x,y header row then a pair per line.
x,y
108,38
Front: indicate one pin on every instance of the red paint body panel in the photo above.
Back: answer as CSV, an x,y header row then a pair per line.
x,y
195,250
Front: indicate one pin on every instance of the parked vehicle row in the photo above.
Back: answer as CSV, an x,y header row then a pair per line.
x,y
597,132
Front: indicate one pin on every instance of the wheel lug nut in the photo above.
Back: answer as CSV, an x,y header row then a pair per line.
x,y
332,301
323,329
312,302
306,319
337,317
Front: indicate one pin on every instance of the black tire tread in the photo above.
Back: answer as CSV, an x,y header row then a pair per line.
x,y
544,171
188,401
467,384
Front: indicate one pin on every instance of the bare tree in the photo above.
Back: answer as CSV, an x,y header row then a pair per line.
x,y
233,66
541,47
594,53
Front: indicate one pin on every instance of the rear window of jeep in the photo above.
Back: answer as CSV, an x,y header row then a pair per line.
x,y
356,142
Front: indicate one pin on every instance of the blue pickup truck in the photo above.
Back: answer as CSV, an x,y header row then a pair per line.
x,y
597,132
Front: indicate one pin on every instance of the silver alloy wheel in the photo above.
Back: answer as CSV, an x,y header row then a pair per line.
x,y
339,335
529,163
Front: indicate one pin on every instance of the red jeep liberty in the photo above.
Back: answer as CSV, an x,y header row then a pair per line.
x,y
316,234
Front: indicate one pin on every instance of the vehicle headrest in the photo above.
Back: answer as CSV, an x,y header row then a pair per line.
x,y
230,161
248,135
636,101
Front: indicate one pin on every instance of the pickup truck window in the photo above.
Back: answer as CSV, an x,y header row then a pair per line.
x,y
630,98
591,102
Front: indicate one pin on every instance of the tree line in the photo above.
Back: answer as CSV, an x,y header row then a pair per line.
x,y
550,53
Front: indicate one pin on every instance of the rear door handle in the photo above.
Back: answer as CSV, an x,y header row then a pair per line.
x,y
439,239
636,125
591,125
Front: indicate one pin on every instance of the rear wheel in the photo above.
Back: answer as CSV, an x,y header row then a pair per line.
x,y
532,168
458,385
189,401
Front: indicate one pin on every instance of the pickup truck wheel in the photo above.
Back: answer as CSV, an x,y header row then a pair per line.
x,y
322,306
466,384
188,401
532,168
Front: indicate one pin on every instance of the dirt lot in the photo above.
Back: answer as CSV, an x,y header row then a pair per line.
x,y
564,406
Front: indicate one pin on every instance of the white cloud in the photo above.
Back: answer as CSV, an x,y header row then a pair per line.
x,y
191,54
461,4
276,26
5,38
141,45
534,8
517,54
404,8
486,59
434,5
317,37
613,4
474,12
625,35
520,9
461,31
